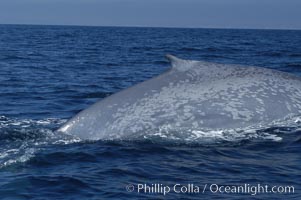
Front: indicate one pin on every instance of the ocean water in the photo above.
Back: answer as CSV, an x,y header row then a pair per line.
x,y
50,73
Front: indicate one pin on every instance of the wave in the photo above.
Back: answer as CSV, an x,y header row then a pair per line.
x,y
273,132
22,139
294,65
190,49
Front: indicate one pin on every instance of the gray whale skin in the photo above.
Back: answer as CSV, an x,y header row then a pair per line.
x,y
192,95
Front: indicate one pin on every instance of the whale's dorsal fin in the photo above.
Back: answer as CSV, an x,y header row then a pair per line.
x,y
173,59
178,63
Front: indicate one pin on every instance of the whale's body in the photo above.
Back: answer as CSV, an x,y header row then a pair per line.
x,y
192,95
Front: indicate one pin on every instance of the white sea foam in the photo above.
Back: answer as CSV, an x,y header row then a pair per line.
x,y
5,122
23,157
271,132
22,138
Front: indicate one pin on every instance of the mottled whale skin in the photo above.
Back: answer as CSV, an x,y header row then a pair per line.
x,y
192,95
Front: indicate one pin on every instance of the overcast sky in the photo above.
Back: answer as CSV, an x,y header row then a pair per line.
x,y
275,14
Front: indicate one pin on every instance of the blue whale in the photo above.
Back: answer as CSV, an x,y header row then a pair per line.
x,y
192,96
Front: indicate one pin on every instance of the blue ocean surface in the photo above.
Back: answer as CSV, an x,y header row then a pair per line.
x,y
50,73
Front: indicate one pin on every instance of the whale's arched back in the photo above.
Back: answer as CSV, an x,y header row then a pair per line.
x,y
193,96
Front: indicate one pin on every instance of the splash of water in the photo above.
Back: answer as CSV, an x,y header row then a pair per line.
x,y
20,140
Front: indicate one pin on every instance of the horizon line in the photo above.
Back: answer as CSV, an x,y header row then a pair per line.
x,y
139,26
